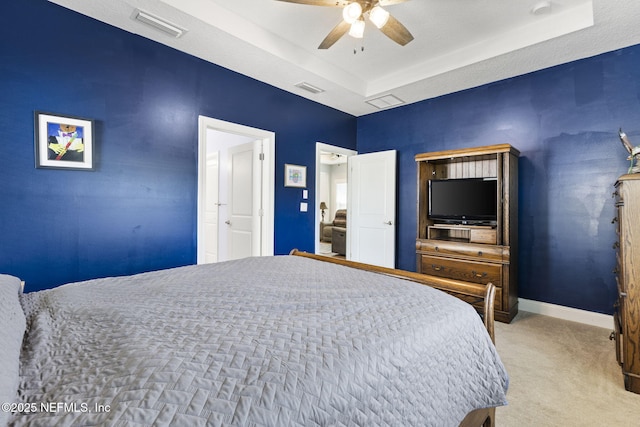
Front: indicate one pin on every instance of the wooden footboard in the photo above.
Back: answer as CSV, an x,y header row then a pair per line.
x,y
485,293
484,417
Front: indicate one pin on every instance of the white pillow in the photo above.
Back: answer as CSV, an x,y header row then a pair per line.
x,y
12,328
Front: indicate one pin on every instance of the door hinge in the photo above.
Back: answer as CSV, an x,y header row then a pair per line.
x,y
261,156
260,212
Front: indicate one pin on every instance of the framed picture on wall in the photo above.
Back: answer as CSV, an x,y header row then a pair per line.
x,y
63,142
295,176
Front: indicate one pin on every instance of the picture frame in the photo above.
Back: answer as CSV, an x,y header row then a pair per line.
x,y
64,142
295,176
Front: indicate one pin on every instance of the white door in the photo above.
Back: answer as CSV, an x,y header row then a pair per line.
x,y
211,208
244,214
217,135
371,216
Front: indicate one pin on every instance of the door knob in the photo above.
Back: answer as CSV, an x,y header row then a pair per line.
x,y
227,222
388,222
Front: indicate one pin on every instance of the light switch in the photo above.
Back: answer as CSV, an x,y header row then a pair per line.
x,y
304,207
305,194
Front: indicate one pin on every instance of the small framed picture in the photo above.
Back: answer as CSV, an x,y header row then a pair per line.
x,y
63,142
295,176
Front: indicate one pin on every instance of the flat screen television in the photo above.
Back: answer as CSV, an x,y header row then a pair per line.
x,y
464,201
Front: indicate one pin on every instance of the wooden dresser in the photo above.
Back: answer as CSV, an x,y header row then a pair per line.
x,y
472,253
627,307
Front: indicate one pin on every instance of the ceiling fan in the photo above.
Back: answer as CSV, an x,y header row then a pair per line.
x,y
353,14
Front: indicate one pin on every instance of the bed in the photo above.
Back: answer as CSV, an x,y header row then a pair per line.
x,y
265,341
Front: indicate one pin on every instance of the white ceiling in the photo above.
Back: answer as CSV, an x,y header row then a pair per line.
x,y
458,44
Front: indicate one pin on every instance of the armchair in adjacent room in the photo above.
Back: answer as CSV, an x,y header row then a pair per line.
x,y
339,240
326,229
339,233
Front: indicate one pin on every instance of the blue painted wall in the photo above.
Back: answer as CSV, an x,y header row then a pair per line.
x,y
564,120
137,211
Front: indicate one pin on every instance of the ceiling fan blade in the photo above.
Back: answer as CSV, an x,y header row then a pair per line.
x,y
334,35
331,3
396,31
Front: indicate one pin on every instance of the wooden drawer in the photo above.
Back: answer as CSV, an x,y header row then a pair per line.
x,y
466,250
469,271
479,304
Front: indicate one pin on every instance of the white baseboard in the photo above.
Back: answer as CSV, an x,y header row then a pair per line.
x,y
566,313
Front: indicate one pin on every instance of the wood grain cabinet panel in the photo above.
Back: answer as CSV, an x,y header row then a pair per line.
x,y
627,270
472,251
469,271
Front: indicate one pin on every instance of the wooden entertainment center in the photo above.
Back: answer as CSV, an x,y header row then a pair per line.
x,y
473,253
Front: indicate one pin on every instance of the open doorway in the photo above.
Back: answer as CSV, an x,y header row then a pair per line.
x,y
235,191
331,199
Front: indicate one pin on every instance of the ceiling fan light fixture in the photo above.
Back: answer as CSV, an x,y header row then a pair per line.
x,y
379,16
357,29
352,12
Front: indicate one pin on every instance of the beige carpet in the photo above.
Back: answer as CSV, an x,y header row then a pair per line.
x,y
562,374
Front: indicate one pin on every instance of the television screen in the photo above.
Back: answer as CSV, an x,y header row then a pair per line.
x,y
463,200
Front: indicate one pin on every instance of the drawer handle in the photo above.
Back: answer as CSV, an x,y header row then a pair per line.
x,y
437,248
615,270
612,336
616,245
614,194
614,220
436,267
479,275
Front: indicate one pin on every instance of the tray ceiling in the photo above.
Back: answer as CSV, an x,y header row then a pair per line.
x,y
458,44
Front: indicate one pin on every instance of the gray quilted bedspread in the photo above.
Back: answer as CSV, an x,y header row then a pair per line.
x,y
275,341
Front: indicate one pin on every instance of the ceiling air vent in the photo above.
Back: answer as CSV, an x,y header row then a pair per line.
x,y
385,101
158,23
309,87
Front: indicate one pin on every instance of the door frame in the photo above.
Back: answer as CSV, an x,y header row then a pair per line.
x,y
320,147
268,179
